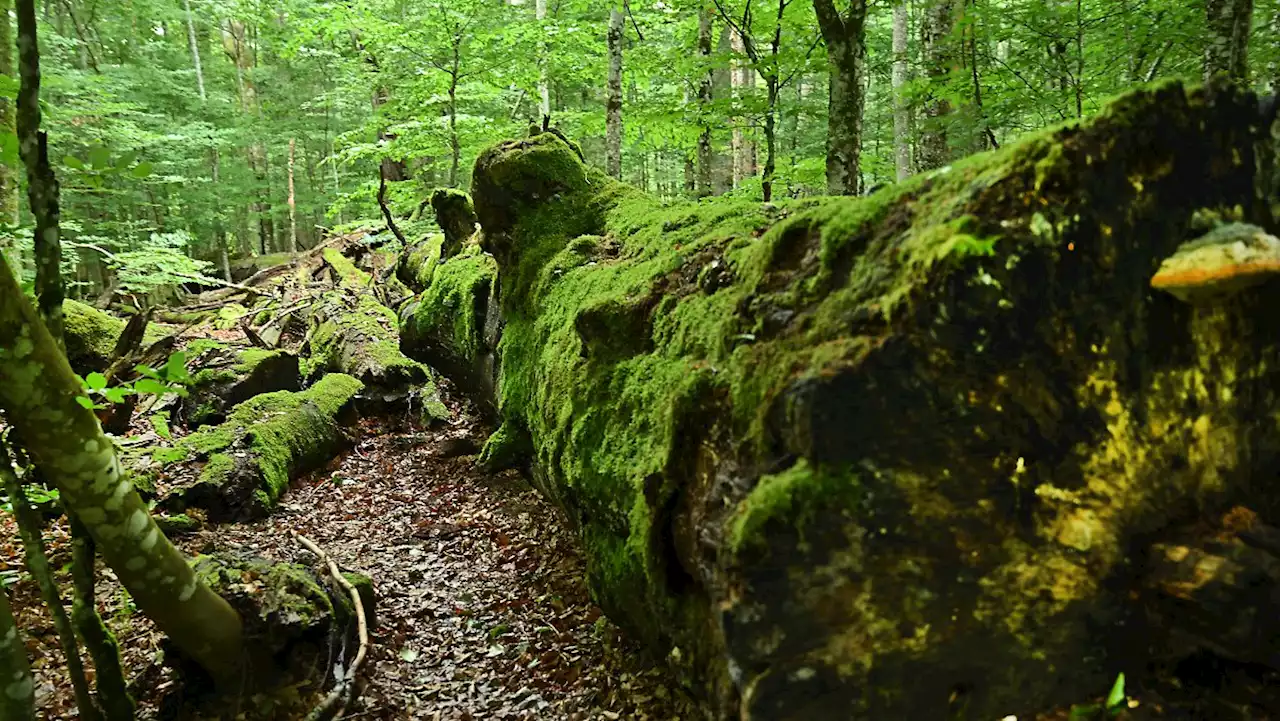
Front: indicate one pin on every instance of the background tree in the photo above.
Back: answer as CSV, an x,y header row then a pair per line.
x,y
844,35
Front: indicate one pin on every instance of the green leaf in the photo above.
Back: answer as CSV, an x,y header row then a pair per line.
x,y
95,381
72,161
99,157
124,161
1116,697
141,170
84,402
146,370
150,386
176,368
116,395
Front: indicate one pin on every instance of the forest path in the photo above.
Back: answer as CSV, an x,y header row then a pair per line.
x,y
482,612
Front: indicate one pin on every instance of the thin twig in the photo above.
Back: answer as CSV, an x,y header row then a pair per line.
x,y
343,693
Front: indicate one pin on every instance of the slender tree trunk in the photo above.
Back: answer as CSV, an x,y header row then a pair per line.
x,y
42,185
846,57
109,679
1079,78
901,104
8,175
455,145
17,694
195,48
293,208
38,565
1227,38
722,162
939,54
613,99
544,75
705,90
38,392
219,232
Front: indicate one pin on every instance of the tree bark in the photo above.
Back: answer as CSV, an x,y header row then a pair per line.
x,y
38,391
195,49
9,180
705,90
844,35
38,565
544,73
17,698
293,207
613,100
939,57
42,184
901,105
1227,38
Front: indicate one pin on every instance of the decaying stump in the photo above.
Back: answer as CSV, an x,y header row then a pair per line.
x,y
228,376
885,457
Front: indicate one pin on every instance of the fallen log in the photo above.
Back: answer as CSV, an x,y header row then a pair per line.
x,y
239,468
91,336
885,457
225,376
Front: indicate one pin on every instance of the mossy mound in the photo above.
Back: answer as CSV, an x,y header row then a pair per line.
x,y
249,459
456,216
890,457
91,335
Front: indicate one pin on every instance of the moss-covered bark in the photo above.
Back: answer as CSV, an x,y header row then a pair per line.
x,y
249,459
356,334
17,689
91,334
890,457
38,392
229,376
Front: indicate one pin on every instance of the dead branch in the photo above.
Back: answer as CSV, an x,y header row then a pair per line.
x,y
344,691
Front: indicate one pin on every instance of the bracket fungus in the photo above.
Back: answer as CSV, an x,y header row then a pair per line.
x,y
1225,260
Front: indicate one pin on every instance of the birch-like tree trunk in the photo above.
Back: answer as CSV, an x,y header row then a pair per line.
x,y
901,104
844,34
613,100
939,46
8,175
17,688
293,206
544,73
42,185
1227,38
706,88
195,49
38,393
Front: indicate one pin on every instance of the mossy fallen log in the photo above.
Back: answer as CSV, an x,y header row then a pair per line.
x,y
453,324
354,333
243,465
228,376
891,457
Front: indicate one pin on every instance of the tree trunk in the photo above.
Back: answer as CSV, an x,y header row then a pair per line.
x,y
705,90
702,466
939,57
722,87
9,177
901,104
293,208
613,99
1227,38
544,76
38,391
17,702
42,185
195,48
455,145
846,57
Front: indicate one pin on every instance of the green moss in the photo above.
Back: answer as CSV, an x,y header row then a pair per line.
x,y
418,263
447,310
346,270
230,315
90,335
506,448
287,432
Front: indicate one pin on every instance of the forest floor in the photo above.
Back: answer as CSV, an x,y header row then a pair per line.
x,y
481,608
